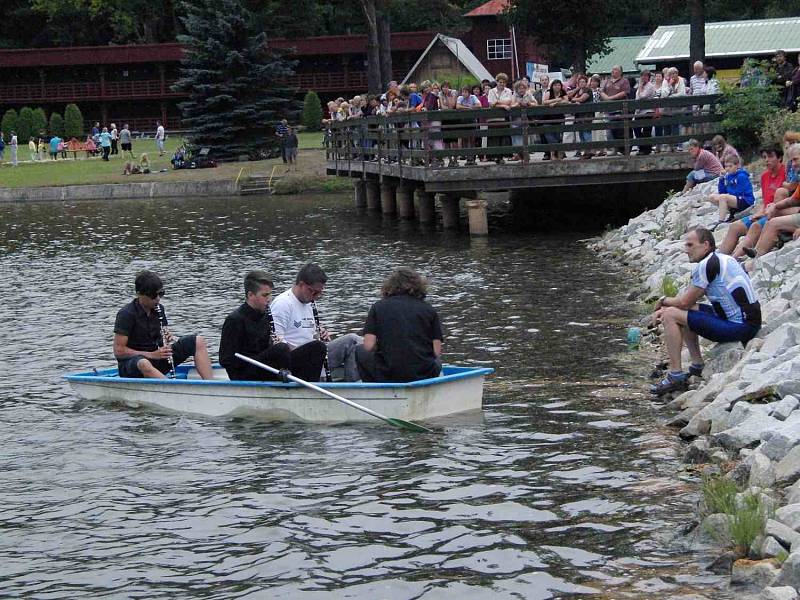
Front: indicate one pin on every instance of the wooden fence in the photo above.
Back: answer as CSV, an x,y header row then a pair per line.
x,y
427,139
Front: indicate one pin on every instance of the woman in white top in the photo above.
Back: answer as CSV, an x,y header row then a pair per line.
x,y
672,87
522,97
644,91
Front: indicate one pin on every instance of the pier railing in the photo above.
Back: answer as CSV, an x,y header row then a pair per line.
x,y
428,139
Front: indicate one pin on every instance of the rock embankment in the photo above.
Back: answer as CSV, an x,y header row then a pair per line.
x,y
744,415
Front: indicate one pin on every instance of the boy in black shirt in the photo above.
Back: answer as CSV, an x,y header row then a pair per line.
x,y
138,345
249,331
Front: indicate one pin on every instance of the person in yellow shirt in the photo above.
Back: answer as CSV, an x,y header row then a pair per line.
x,y
32,149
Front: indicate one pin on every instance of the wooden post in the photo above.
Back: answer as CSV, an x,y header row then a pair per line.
x,y
450,210
426,206
626,131
405,201
360,194
373,195
476,212
526,155
388,198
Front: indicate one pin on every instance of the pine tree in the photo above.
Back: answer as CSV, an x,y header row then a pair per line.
x,y
56,125
25,125
234,82
73,122
9,122
312,112
39,126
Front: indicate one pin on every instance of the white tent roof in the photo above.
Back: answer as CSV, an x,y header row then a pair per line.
x,y
461,52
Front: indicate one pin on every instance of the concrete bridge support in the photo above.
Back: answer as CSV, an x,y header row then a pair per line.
x,y
476,212
388,198
450,210
426,206
360,194
373,195
405,201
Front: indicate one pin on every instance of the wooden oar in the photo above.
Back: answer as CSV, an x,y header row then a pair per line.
x,y
408,425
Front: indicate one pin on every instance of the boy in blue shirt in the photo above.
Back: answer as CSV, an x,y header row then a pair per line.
x,y
735,190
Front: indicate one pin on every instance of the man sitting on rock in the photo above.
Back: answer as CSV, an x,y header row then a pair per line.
x,y
734,314
706,166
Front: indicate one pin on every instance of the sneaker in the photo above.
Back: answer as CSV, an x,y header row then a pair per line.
x,y
696,370
671,383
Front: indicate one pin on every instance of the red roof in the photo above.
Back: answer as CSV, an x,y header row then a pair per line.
x,y
91,55
491,9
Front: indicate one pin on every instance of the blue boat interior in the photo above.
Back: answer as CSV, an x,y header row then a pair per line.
x,y
449,373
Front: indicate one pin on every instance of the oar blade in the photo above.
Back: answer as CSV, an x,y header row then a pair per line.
x,y
408,425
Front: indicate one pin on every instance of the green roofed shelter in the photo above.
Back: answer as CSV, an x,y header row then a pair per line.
x,y
622,51
725,41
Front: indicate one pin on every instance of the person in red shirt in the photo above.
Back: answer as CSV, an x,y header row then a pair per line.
x,y
750,227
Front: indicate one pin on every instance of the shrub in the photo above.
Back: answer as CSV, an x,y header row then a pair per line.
x,y
669,286
771,134
747,523
25,125
745,110
56,125
9,122
73,122
39,125
719,495
312,112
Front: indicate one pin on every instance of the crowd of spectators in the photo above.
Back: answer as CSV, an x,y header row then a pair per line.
x,y
578,88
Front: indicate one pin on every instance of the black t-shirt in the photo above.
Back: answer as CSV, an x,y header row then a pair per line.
x,y
142,330
247,332
405,328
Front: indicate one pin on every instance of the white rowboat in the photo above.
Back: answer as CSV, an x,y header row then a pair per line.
x,y
457,389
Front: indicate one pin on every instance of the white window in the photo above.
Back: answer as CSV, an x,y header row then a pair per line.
x,y
498,49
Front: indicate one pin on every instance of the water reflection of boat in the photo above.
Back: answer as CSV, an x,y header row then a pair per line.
x,y
456,390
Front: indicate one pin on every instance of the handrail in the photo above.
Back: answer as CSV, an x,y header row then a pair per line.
x,y
241,171
418,138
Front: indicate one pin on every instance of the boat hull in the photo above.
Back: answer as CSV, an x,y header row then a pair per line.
x,y
459,389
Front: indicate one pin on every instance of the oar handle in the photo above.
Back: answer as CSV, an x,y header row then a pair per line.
x,y
316,388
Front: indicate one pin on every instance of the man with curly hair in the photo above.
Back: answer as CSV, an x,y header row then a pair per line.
x,y
403,333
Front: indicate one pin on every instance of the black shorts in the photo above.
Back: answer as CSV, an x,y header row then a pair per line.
x,y
127,146
181,350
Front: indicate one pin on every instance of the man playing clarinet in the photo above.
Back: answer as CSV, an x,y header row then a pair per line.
x,y
139,344
297,323
250,331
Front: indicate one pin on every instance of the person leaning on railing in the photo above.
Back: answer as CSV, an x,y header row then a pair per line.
x,y
616,87
500,96
582,94
554,96
468,101
644,91
672,87
523,98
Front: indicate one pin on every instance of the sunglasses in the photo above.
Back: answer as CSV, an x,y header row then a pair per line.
x,y
152,295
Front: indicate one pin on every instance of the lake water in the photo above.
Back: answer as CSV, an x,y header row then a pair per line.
x,y
565,485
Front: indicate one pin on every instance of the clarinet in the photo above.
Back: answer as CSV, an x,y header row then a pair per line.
x,y
162,319
273,337
325,364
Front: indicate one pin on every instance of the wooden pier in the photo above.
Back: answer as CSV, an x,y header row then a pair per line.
x,y
459,153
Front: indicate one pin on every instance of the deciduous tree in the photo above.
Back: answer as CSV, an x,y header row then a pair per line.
x,y
73,122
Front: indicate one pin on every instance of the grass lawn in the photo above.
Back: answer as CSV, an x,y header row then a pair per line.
x,y
85,171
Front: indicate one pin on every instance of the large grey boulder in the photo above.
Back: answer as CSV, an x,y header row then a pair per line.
x,y
782,339
793,493
777,442
760,573
785,535
747,433
770,548
785,407
784,592
788,469
789,515
762,471
698,452
790,571
715,529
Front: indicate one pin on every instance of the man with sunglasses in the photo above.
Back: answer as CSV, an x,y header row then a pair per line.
x,y
138,347
296,324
